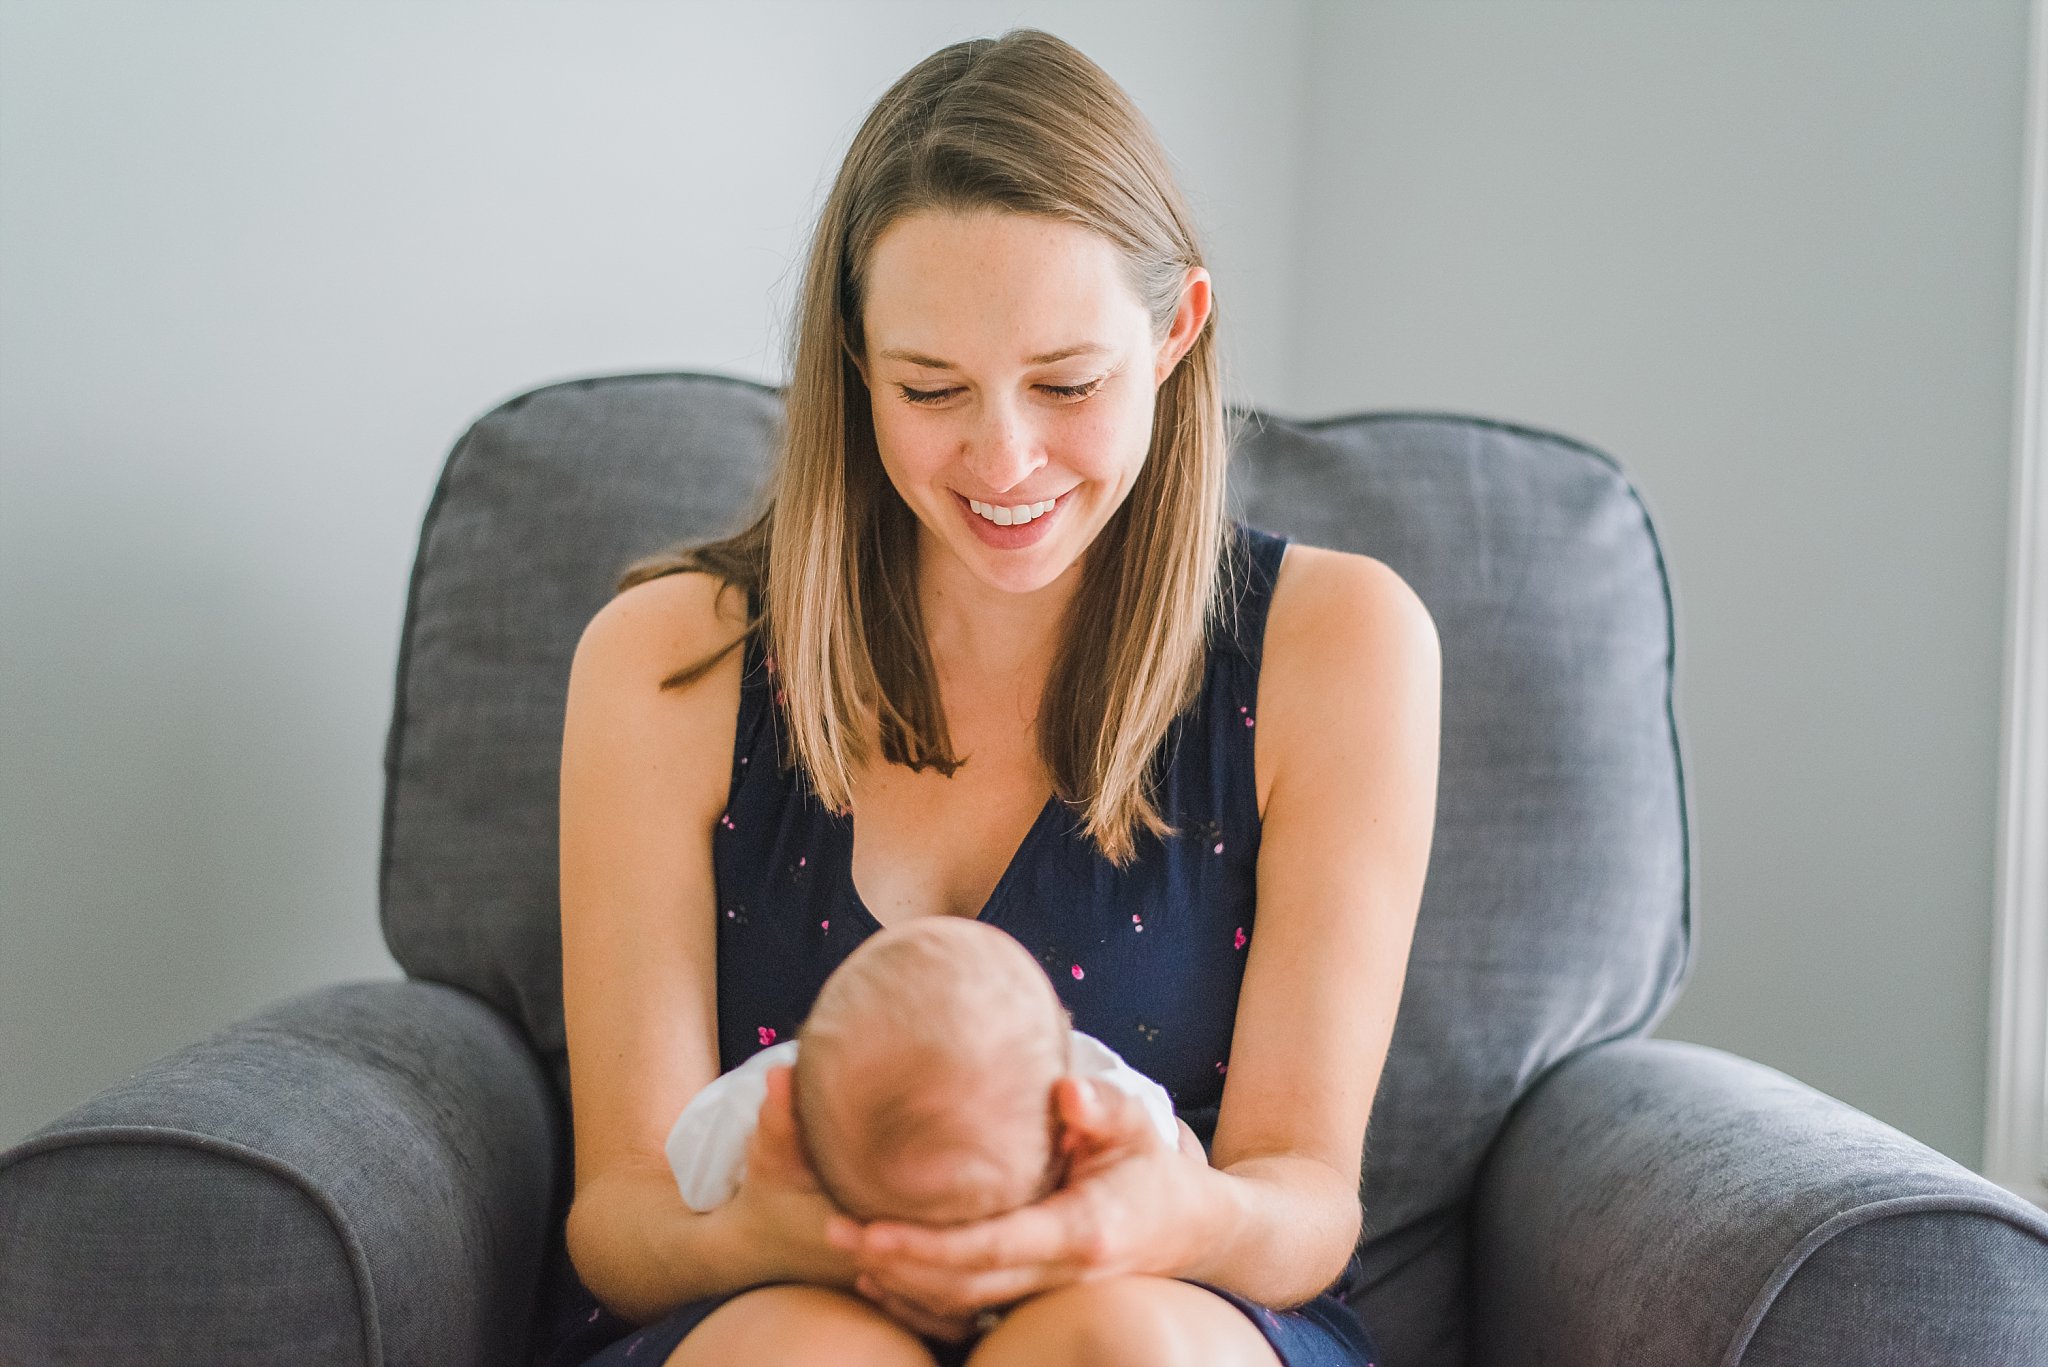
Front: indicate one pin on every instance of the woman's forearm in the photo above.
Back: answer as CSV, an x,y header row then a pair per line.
x,y
1277,1229
642,1252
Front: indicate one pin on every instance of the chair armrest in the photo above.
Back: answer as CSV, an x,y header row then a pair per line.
x,y
1654,1201
360,1175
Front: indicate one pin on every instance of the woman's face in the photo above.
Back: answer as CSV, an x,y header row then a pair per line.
x,y
1009,365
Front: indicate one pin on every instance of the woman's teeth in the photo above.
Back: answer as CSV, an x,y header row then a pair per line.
x,y
1011,517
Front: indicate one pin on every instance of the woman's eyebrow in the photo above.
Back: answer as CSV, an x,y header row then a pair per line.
x,y
933,363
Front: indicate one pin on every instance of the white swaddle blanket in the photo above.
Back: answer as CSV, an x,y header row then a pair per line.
x,y
707,1147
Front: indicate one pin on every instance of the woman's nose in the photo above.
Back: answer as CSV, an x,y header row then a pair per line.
x,y
1003,449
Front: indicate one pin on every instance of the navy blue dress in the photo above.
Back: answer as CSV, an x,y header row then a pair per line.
x,y
1148,959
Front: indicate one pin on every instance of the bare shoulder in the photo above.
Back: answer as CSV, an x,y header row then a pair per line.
x,y
678,619
1343,632
618,713
1323,594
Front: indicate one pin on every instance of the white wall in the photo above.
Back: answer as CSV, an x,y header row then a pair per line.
x,y
1767,256
260,264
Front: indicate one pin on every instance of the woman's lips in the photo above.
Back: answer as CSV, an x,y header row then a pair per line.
x,y
1013,538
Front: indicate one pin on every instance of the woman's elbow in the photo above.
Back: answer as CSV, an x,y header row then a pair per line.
x,y
591,1237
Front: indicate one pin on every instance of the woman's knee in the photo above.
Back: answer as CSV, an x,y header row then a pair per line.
x,y
799,1325
1134,1321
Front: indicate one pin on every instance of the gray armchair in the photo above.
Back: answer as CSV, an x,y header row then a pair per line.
x,y
377,1173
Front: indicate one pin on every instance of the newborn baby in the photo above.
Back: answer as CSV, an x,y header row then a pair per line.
x,y
922,1084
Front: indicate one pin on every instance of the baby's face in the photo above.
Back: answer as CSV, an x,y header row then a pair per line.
x,y
936,1141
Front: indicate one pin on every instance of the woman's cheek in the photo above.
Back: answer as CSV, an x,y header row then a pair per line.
x,y
913,448
1107,441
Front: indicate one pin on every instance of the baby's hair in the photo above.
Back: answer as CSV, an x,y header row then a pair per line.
x,y
941,1000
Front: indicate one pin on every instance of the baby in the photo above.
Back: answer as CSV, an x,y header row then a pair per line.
x,y
922,1084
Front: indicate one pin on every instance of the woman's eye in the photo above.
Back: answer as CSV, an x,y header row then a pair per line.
x,y
1073,391
1064,391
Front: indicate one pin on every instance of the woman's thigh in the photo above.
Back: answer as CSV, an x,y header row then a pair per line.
x,y
1134,1321
800,1326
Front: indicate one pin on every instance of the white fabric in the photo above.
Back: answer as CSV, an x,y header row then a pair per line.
x,y
707,1147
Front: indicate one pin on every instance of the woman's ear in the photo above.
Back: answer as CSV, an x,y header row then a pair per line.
x,y
1188,321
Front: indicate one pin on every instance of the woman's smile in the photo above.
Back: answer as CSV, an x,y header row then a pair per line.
x,y
1015,535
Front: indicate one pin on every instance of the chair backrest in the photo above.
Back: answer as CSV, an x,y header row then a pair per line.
x,y
1557,912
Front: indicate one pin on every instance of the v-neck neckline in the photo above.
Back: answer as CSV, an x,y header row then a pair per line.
x,y
996,894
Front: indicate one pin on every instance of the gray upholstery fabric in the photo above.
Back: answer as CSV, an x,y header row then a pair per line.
x,y
361,1175
1657,1202
1940,1285
541,504
143,1249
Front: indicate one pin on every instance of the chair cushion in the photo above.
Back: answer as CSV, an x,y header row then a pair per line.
x,y
1557,909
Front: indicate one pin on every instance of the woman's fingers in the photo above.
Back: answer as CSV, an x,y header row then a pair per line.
x,y
1043,1232
993,1262
908,1312
1084,1229
942,1291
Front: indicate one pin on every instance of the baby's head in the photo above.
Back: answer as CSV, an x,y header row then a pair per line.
x,y
923,1085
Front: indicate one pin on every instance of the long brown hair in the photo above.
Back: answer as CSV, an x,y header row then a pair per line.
x,y
1024,124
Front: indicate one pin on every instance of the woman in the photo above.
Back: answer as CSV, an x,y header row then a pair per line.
x,y
994,619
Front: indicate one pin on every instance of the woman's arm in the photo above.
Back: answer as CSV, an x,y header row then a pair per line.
x,y
1349,716
1349,704
645,774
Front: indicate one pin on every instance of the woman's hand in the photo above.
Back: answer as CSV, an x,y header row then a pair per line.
x,y
1126,1203
780,1206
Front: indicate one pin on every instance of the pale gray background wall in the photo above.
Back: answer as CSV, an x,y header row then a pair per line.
x,y
260,264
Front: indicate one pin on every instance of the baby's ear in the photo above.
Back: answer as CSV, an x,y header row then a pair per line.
x,y
1070,1097
778,1094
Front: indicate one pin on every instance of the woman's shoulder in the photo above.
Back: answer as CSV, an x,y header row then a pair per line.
x,y
1319,577
669,622
1337,622
622,702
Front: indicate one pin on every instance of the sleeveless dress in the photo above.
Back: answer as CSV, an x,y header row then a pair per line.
x,y
1148,959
